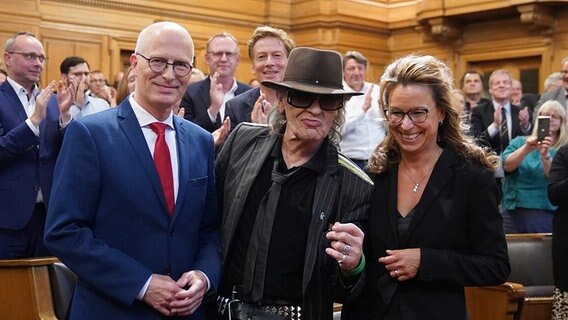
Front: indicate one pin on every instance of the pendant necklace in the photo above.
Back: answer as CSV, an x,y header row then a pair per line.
x,y
416,184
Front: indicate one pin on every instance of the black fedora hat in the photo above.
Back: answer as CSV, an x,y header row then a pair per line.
x,y
314,71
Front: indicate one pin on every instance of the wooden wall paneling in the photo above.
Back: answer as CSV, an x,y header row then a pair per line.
x,y
61,44
380,29
116,46
277,13
11,24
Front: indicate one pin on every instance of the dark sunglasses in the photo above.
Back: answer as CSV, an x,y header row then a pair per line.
x,y
327,102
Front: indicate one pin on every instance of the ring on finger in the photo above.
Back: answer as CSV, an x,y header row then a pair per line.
x,y
346,249
340,261
396,273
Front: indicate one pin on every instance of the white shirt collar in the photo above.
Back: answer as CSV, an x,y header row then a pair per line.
x,y
506,105
144,117
233,88
20,89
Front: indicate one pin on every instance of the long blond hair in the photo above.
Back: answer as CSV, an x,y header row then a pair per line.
x,y
428,71
554,107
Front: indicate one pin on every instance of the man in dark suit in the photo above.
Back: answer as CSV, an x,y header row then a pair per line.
x,y
291,203
487,119
134,210
204,101
32,123
268,49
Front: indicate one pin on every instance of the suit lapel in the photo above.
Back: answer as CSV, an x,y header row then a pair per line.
x,y
241,88
204,94
392,209
251,100
257,154
131,127
183,151
13,101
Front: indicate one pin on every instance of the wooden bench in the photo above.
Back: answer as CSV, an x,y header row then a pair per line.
x,y
38,288
527,295
25,290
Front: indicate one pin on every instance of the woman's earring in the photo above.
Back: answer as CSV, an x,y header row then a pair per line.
x,y
441,123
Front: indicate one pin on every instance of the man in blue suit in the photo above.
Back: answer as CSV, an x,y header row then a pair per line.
x,y
144,243
32,123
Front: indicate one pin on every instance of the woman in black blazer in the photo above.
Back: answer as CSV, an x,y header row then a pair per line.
x,y
434,225
557,191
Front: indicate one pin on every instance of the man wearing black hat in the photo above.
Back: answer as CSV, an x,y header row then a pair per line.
x,y
292,205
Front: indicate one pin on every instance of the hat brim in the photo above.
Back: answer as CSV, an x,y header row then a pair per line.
x,y
311,88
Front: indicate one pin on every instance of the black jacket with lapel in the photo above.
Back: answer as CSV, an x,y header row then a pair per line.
x,y
342,194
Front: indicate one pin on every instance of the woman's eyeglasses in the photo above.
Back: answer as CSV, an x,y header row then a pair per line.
x,y
417,115
327,102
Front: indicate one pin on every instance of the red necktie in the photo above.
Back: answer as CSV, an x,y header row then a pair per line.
x,y
163,164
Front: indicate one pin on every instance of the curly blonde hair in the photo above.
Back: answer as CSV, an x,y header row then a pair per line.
x,y
415,69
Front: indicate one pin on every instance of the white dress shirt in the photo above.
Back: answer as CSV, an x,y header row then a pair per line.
x,y
145,119
362,131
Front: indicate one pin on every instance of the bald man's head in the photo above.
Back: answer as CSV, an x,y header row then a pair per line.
x,y
162,65
153,32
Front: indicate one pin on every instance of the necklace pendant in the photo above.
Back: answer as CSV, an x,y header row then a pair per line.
x,y
416,187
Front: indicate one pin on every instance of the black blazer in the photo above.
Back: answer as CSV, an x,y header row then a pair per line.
x,y
239,109
458,228
197,99
482,117
342,194
557,191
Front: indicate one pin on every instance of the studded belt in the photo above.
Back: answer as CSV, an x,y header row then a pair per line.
x,y
248,311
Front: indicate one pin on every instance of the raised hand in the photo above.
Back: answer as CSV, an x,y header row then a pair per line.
x,y
216,94
65,97
261,110
498,116
221,134
181,112
41,104
524,118
80,93
368,99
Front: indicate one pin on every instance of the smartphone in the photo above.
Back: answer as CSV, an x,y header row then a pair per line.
x,y
543,127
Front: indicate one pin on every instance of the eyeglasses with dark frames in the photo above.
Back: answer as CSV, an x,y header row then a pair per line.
x,y
303,100
30,56
158,65
416,115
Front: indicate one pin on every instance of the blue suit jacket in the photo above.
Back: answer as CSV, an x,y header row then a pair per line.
x,y
239,109
26,161
197,99
108,220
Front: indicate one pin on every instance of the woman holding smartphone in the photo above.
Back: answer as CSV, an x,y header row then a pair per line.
x,y
527,162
